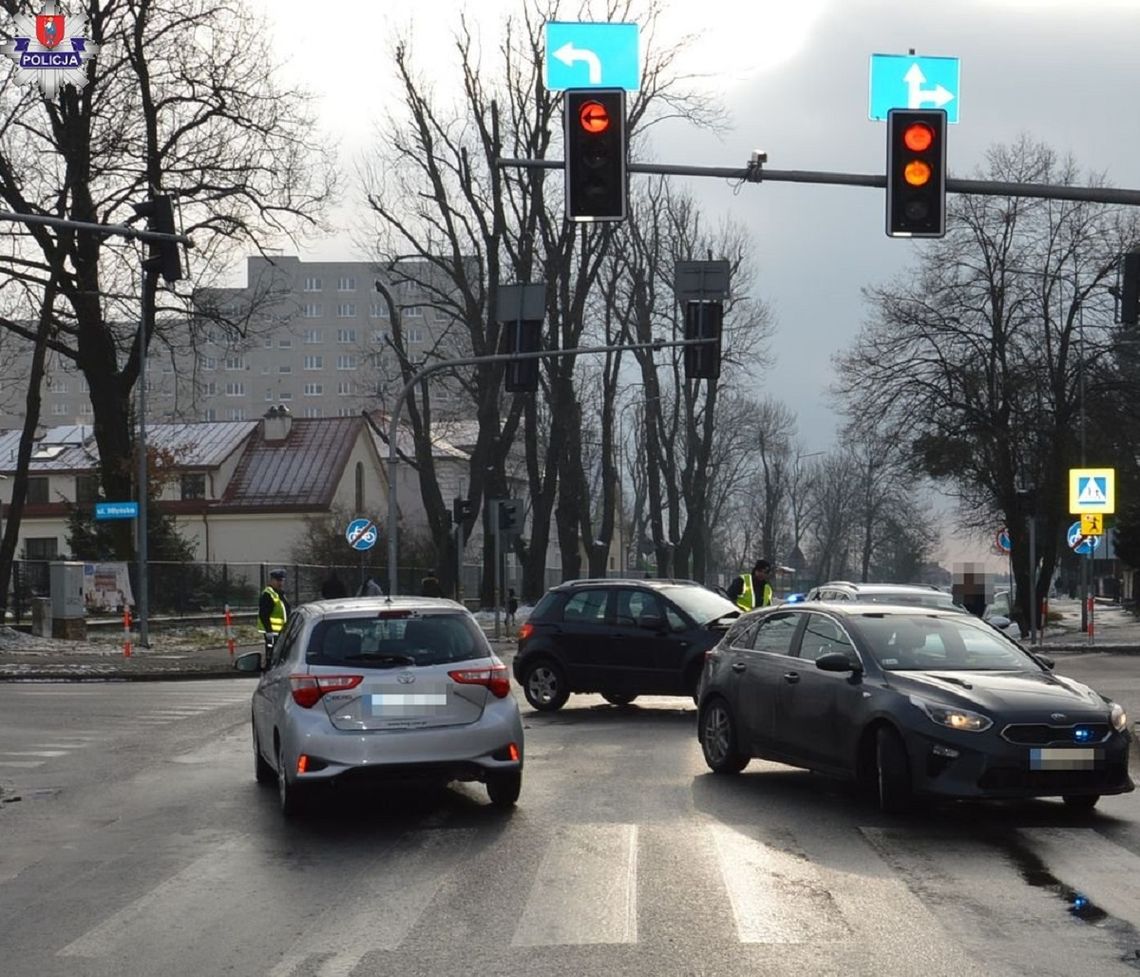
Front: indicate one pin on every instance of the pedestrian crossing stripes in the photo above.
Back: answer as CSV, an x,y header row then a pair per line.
x,y
894,902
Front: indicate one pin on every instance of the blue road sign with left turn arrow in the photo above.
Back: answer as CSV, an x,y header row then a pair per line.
x,y
900,81
592,56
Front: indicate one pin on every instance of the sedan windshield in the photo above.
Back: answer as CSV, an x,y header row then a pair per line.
x,y
700,604
392,642
918,642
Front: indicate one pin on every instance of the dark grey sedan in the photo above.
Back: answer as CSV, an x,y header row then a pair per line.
x,y
911,701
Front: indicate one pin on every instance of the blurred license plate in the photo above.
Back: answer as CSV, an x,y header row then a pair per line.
x,y
1064,758
400,703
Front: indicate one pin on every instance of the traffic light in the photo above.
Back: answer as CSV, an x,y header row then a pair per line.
x,y
523,336
163,255
916,172
508,517
1130,289
703,320
596,187
462,511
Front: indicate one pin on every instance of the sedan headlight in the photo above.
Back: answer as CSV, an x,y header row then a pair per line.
x,y
1118,717
953,717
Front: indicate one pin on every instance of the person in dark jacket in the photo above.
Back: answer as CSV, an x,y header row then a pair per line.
x,y
429,586
512,607
333,587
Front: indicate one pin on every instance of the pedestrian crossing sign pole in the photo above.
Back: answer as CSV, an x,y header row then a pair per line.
x,y
1092,490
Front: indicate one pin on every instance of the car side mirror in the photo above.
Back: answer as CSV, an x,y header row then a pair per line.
x,y
651,622
249,662
837,661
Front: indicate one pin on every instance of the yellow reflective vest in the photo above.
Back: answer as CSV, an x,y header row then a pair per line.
x,y
747,599
277,613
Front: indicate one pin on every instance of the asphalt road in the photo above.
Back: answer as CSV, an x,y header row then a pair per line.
x,y
141,845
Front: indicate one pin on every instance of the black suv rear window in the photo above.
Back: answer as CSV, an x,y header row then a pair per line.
x,y
372,642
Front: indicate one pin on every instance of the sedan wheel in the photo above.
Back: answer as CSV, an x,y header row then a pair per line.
x,y
289,793
544,685
1081,802
503,788
893,773
618,699
718,739
262,768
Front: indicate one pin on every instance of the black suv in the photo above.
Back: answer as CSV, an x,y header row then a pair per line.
x,y
622,638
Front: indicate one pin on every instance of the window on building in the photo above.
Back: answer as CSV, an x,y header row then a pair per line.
x,y
209,414
194,486
285,342
413,312
235,389
440,315
86,489
344,388
379,336
269,342
415,335
37,490
346,283
83,388
346,310
312,412
167,368
346,361
237,413
59,386
85,409
314,389
314,362
41,548
269,394
314,337
345,412
59,410
313,284
285,368
285,395
378,310
235,363
210,389
346,336
312,310
209,364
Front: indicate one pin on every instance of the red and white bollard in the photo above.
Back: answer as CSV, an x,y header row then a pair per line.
x,y
127,632
229,631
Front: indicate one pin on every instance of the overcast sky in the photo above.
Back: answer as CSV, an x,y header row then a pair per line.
x,y
794,76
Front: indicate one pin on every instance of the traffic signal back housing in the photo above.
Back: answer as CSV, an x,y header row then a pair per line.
x,y
703,320
596,149
1130,289
162,255
916,172
523,336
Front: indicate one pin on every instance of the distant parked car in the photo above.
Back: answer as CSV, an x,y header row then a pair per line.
x,y
622,638
371,689
910,701
925,595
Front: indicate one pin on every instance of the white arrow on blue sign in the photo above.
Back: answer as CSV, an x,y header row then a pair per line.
x,y
900,81
592,56
1079,542
361,534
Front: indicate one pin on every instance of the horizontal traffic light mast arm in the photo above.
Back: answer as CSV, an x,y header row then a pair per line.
x,y
757,174
427,371
120,230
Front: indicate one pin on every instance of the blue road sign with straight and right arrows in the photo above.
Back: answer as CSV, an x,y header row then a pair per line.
x,y
900,81
361,534
592,56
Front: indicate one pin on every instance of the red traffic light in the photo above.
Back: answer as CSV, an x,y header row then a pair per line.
x,y
918,137
593,117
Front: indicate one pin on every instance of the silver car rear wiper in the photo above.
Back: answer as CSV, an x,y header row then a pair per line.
x,y
392,660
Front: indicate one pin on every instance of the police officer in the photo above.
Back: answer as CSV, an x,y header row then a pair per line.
x,y
273,609
751,590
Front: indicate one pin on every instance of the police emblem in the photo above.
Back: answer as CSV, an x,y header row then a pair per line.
x,y
50,49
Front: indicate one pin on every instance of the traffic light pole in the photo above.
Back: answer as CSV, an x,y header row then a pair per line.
x,y
756,173
427,371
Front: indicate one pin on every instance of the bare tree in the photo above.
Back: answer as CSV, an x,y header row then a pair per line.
x,y
974,363
182,101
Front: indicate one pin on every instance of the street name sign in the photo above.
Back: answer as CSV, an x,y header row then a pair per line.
x,y
116,510
1092,490
592,55
902,81
361,534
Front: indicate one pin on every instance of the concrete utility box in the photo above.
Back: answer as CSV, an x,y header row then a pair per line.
x,y
41,617
68,611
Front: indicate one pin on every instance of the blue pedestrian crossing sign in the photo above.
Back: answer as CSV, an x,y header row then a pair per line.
x,y
1092,490
1079,543
361,534
591,55
900,81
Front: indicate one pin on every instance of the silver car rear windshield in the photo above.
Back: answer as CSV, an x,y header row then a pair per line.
x,y
904,642
390,641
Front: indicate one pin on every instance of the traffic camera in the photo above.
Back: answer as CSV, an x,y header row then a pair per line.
x,y
162,256
916,172
595,148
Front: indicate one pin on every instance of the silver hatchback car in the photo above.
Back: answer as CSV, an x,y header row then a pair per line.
x,y
406,689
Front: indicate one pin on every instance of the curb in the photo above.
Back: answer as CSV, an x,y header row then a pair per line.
x,y
67,673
